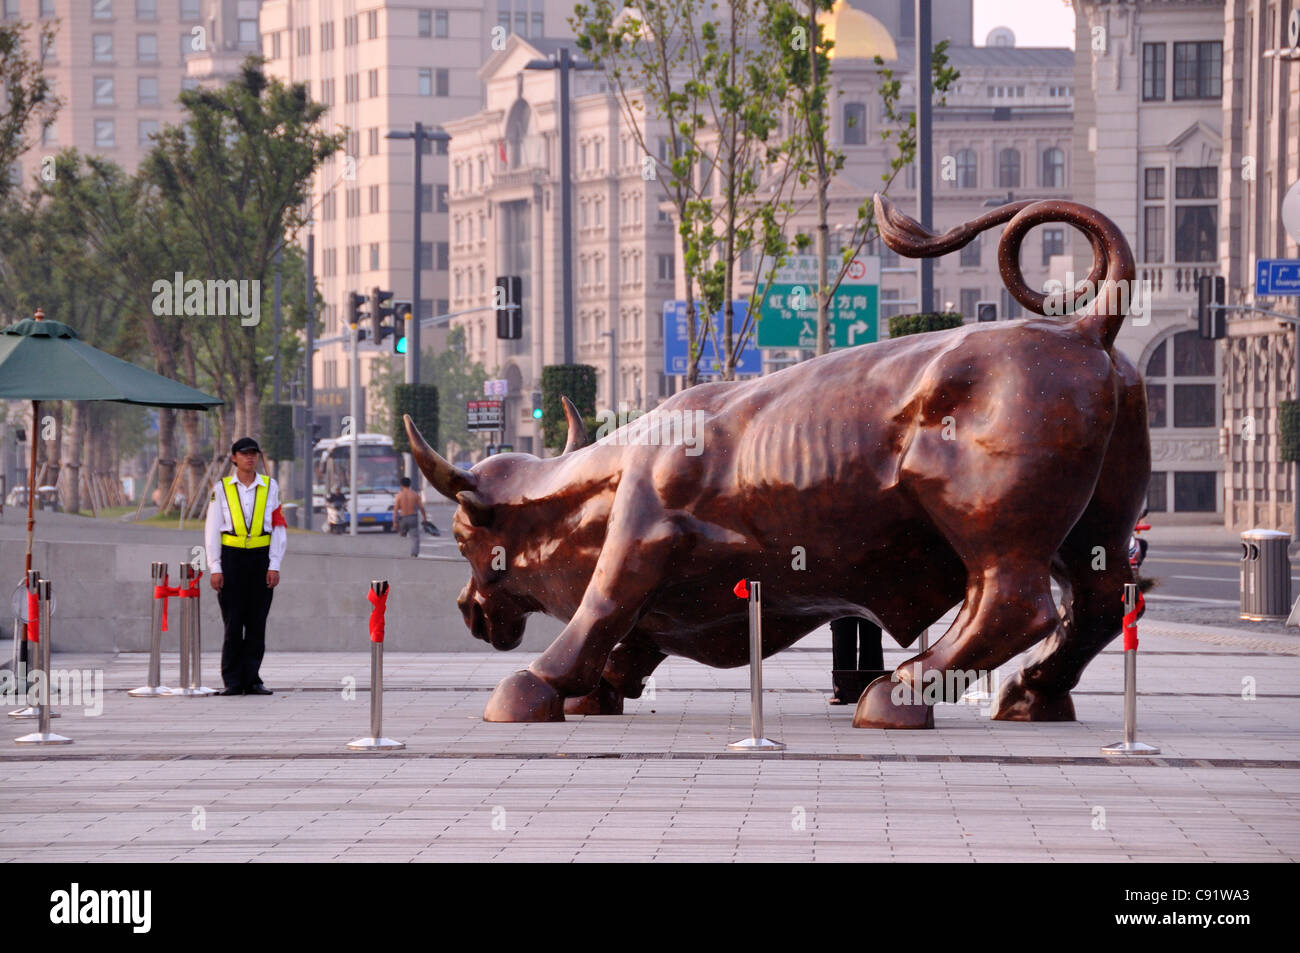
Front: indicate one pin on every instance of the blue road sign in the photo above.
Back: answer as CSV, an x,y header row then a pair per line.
x,y
1277,276
677,347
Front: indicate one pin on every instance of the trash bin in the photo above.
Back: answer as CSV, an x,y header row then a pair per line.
x,y
1265,575
290,512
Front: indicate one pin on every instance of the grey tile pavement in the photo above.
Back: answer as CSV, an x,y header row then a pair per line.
x,y
270,779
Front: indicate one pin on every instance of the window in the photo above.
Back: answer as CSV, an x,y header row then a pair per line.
x,y
374,256
189,83
350,30
1154,184
372,25
327,36
1053,176
146,9
147,90
1200,182
440,194
966,169
102,9
855,124
105,134
1153,234
103,90
47,9
1010,306
275,46
1196,235
1153,71
1198,70
374,198
1191,386
373,141
189,9
50,135
443,86
424,20
426,256
1158,492
426,198
372,82
969,298
1009,169
1053,243
248,33
426,82
1194,491
667,268
440,24
102,44
970,254
146,128
146,47
443,256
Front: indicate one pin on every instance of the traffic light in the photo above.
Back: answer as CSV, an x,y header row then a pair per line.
x,y
401,315
380,312
1210,293
537,405
986,310
508,300
356,313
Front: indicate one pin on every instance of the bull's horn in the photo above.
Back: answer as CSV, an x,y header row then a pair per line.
x,y
577,431
446,479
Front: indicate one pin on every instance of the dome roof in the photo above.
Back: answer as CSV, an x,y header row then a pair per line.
x,y
857,35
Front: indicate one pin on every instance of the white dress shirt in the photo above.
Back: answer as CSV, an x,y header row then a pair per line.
x,y
218,520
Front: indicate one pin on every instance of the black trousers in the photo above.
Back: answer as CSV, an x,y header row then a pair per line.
x,y
855,645
245,601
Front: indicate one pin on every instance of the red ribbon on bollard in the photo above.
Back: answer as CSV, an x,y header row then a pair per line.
x,y
162,592
380,604
1131,624
33,616
193,591
741,589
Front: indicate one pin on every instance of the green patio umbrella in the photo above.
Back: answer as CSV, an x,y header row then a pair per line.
x,y
47,360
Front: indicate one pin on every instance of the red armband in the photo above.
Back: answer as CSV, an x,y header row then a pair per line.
x,y
277,518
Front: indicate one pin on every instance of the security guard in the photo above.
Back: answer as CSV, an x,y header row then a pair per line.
x,y
245,536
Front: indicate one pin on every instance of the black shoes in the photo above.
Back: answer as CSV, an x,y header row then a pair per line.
x,y
258,690
231,691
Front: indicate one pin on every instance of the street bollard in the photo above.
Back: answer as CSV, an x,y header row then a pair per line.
x,y
43,735
190,641
1130,745
29,660
378,596
158,625
755,742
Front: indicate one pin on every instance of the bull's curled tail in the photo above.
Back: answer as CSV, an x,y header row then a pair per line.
x,y
1106,291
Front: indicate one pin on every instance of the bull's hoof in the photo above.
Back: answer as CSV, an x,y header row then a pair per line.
x,y
524,696
603,700
1018,702
884,705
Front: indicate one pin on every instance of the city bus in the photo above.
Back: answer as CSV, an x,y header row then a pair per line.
x,y
379,473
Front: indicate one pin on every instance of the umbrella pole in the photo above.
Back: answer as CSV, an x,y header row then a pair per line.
x,y
31,484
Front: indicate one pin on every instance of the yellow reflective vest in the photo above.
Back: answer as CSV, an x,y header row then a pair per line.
x,y
241,538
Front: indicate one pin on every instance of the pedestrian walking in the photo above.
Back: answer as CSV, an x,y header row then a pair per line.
x,y
408,513
245,536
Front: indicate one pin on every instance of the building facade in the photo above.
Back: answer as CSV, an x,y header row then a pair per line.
x,y
1148,152
381,66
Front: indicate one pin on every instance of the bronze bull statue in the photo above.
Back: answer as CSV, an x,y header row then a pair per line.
x,y
892,480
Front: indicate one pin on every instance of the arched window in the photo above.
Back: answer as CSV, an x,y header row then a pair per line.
x,y
1053,168
966,169
516,129
1181,389
1009,169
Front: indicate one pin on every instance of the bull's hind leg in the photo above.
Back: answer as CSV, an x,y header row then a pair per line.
x,y
630,664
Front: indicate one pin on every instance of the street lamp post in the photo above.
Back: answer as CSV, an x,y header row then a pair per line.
x,y
924,149
563,62
420,135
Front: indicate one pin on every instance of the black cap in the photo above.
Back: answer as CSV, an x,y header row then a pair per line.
x,y
244,443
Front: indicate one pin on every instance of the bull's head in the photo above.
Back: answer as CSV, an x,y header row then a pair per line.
x,y
496,601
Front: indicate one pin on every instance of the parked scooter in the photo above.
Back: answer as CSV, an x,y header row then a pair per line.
x,y
336,513
1137,547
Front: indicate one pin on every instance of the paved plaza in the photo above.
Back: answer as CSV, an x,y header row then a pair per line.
x,y
270,779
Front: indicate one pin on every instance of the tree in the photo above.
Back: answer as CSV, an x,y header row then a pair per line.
x,y
458,380
238,171
26,94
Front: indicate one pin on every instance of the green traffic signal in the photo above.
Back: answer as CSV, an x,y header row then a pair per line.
x,y
400,346
537,413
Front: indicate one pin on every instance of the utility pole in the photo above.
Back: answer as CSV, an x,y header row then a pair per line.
x,y
411,364
563,62
307,407
924,150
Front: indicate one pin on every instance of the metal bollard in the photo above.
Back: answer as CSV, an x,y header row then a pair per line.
x,y
190,642
43,735
378,597
1130,744
29,660
755,742
155,688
